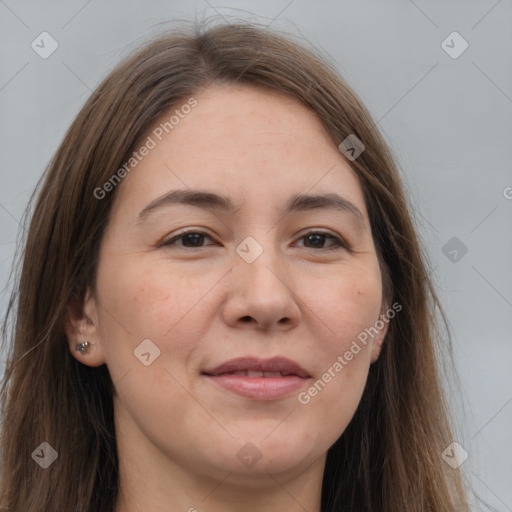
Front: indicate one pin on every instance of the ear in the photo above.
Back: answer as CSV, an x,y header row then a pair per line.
x,y
81,324
378,339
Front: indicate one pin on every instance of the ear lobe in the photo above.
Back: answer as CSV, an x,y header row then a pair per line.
x,y
81,325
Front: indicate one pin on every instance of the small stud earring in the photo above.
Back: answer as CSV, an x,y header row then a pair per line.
x,y
82,347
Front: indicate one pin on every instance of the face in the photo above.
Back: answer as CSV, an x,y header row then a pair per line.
x,y
185,285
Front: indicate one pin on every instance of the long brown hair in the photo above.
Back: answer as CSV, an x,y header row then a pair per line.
x,y
389,457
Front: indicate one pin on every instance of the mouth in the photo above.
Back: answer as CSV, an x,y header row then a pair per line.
x,y
256,373
259,379
255,367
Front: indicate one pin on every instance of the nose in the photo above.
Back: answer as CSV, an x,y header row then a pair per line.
x,y
262,294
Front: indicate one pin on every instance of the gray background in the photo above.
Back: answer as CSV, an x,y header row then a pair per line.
x,y
447,120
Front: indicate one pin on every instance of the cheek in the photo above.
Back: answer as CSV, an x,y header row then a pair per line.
x,y
149,301
171,309
348,311
351,305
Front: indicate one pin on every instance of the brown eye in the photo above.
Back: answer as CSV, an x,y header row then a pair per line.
x,y
313,240
190,240
316,240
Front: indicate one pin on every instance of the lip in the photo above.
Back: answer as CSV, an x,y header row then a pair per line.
x,y
275,364
273,387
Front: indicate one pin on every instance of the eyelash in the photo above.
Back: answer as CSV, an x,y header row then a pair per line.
x,y
340,243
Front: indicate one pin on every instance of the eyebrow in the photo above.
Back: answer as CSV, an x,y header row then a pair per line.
x,y
210,200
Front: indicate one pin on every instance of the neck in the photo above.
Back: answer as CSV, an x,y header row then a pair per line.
x,y
167,494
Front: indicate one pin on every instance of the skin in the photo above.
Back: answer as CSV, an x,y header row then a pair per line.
x,y
202,304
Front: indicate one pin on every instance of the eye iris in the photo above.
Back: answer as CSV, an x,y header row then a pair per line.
x,y
316,238
195,237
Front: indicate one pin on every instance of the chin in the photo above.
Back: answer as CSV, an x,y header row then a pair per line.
x,y
275,454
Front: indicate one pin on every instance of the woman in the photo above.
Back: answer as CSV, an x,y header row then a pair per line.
x,y
223,304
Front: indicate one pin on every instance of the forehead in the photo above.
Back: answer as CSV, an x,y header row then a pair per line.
x,y
248,114
247,142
